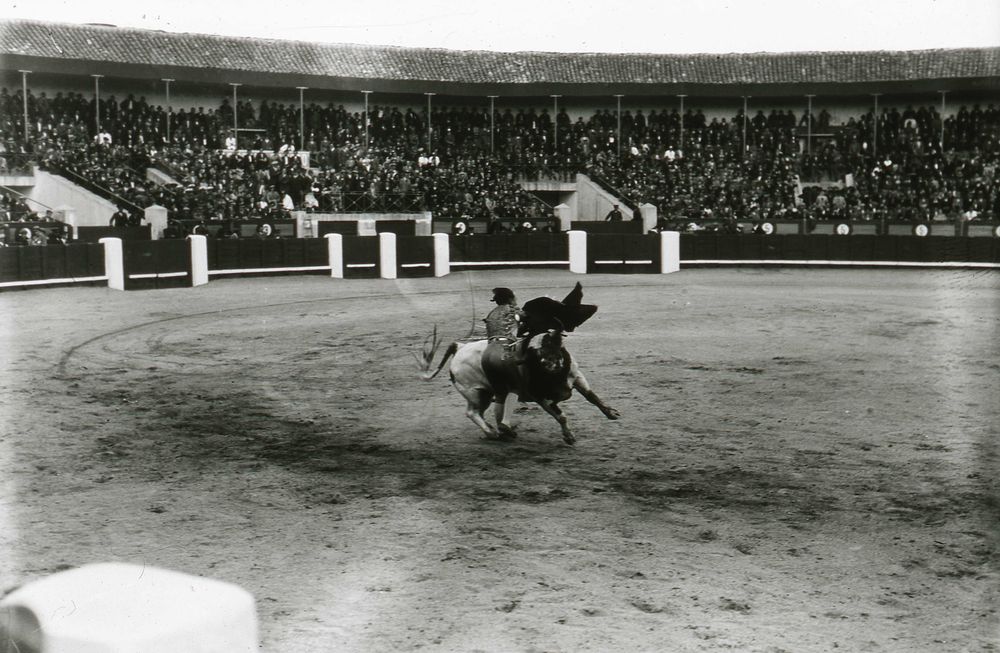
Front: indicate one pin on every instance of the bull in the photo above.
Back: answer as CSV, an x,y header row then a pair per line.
x,y
552,373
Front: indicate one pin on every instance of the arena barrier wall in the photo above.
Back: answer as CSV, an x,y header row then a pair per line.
x,y
56,265
248,256
538,250
135,264
197,259
870,228
856,250
361,257
415,255
624,253
156,264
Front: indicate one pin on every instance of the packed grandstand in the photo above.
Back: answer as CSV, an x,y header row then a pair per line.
x,y
263,128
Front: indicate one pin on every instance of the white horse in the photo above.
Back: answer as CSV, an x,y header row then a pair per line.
x,y
553,376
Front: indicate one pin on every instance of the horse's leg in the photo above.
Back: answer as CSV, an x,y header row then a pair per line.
x,y
475,411
581,386
553,409
477,400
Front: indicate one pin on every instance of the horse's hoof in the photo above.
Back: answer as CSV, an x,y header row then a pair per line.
x,y
569,438
506,432
612,413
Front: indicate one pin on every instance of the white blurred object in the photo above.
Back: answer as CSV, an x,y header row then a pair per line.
x,y
126,608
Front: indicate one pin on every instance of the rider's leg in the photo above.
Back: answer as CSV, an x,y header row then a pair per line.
x,y
503,409
521,359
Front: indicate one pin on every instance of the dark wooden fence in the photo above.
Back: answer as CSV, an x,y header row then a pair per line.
x,y
55,264
266,255
623,253
156,264
361,260
537,250
415,256
722,248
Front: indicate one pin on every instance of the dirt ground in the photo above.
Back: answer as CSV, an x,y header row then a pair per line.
x,y
807,460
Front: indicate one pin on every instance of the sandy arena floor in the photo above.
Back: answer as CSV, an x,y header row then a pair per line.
x,y
807,460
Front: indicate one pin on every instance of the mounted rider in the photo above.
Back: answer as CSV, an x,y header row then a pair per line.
x,y
502,322
503,358
509,330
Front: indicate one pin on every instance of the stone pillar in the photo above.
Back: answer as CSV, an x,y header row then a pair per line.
x,y
648,212
67,214
302,230
424,226
564,215
442,255
114,262
387,255
670,251
198,263
335,250
577,251
156,218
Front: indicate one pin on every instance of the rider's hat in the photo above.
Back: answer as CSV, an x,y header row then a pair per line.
x,y
502,295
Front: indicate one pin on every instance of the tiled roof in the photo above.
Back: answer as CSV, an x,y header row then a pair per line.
x,y
253,55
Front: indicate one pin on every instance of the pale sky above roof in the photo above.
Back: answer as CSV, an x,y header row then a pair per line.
x,y
661,26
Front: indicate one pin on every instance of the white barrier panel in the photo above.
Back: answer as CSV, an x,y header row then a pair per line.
x,y
114,263
442,255
387,255
125,608
577,251
670,251
335,251
199,260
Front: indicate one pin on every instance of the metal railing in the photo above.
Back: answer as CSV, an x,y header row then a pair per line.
x,y
532,173
368,203
604,183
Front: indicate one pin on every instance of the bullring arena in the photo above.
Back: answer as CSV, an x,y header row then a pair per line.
x,y
805,461
807,454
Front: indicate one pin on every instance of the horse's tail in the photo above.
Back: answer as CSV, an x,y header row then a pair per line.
x,y
427,375
426,356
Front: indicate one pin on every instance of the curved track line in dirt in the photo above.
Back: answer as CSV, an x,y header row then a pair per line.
x,y
69,353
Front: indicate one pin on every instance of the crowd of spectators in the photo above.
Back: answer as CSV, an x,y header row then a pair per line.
x,y
14,208
42,228
468,163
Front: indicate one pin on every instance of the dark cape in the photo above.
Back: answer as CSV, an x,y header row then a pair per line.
x,y
544,313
